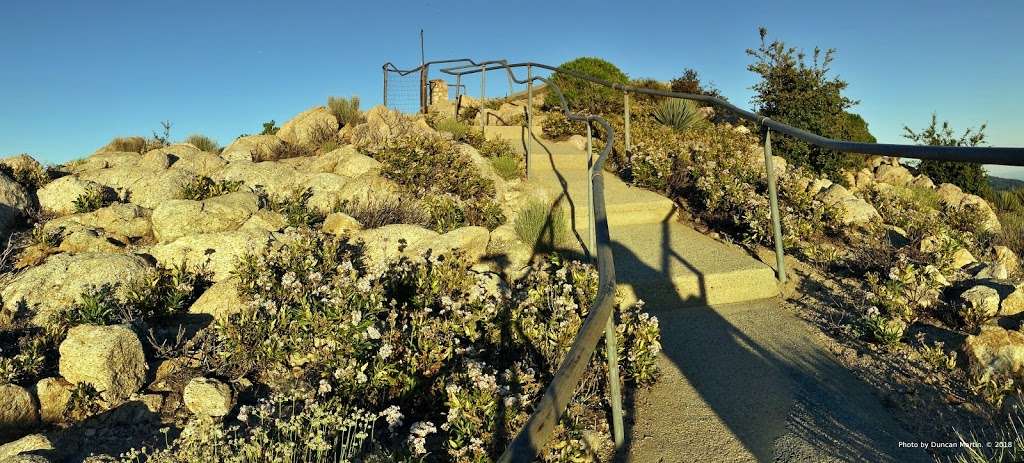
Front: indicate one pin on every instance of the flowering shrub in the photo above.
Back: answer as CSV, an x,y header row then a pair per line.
x,y
907,290
427,342
557,127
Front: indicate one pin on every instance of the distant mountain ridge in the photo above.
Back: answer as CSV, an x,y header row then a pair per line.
x,y
1000,183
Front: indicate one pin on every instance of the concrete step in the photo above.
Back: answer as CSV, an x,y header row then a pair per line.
x,y
669,265
625,205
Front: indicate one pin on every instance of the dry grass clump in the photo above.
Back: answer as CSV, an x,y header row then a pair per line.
x,y
543,226
379,211
346,110
203,142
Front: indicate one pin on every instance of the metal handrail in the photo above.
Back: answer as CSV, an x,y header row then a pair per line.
x,y
529,441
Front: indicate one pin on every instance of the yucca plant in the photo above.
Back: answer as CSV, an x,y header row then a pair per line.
x,y
345,109
679,114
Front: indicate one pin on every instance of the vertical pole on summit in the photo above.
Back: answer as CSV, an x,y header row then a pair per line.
x,y
773,201
529,116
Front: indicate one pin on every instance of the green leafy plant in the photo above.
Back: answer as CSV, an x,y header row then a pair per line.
x,y
346,110
32,177
294,206
461,132
92,200
558,127
201,187
679,114
969,176
203,142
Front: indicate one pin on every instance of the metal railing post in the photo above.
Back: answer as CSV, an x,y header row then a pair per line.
x,y
529,116
626,119
458,85
773,200
483,91
385,87
610,341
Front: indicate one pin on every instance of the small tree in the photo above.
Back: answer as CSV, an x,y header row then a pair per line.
x,y
803,94
689,82
969,176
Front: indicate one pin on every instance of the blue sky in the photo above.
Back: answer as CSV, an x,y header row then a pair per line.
x,y
74,74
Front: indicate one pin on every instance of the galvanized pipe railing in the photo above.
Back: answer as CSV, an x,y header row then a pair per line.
x,y
531,439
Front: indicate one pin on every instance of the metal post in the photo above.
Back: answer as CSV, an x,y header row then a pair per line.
x,y
529,115
458,85
610,341
626,139
483,91
385,87
773,200
423,89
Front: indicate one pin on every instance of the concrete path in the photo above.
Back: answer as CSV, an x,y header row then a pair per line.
x,y
743,379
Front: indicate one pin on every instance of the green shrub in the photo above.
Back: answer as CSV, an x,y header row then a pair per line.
x,y
379,211
294,206
585,96
689,82
201,187
679,114
507,167
346,110
969,176
285,150
92,200
802,94
270,128
497,148
446,358
204,143
558,127
434,165
543,226
24,360
461,132
1013,231
158,293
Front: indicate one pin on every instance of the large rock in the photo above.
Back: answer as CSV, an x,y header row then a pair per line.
x,y
87,240
1013,303
54,395
923,181
351,163
384,126
109,358
276,178
339,223
22,162
1008,258
386,244
128,220
14,204
471,241
995,350
252,148
58,197
105,160
147,188
369,186
208,397
962,258
19,412
326,189
852,210
220,300
176,218
952,196
266,220
60,281
309,128
506,252
18,451
199,163
216,251
981,300
893,175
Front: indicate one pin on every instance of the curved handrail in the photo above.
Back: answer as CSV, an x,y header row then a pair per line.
x,y
529,441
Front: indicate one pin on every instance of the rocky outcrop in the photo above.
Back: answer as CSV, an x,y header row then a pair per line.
x,y
14,204
309,128
119,219
147,188
852,210
1006,256
387,243
995,350
59,282
176,218
109,358
105,160
19,451
981,300
893,174
208,397
953,196
384,126
19,412
252,148
265,220
1013,303
58,197
216,251
326,189
471,241
276,178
